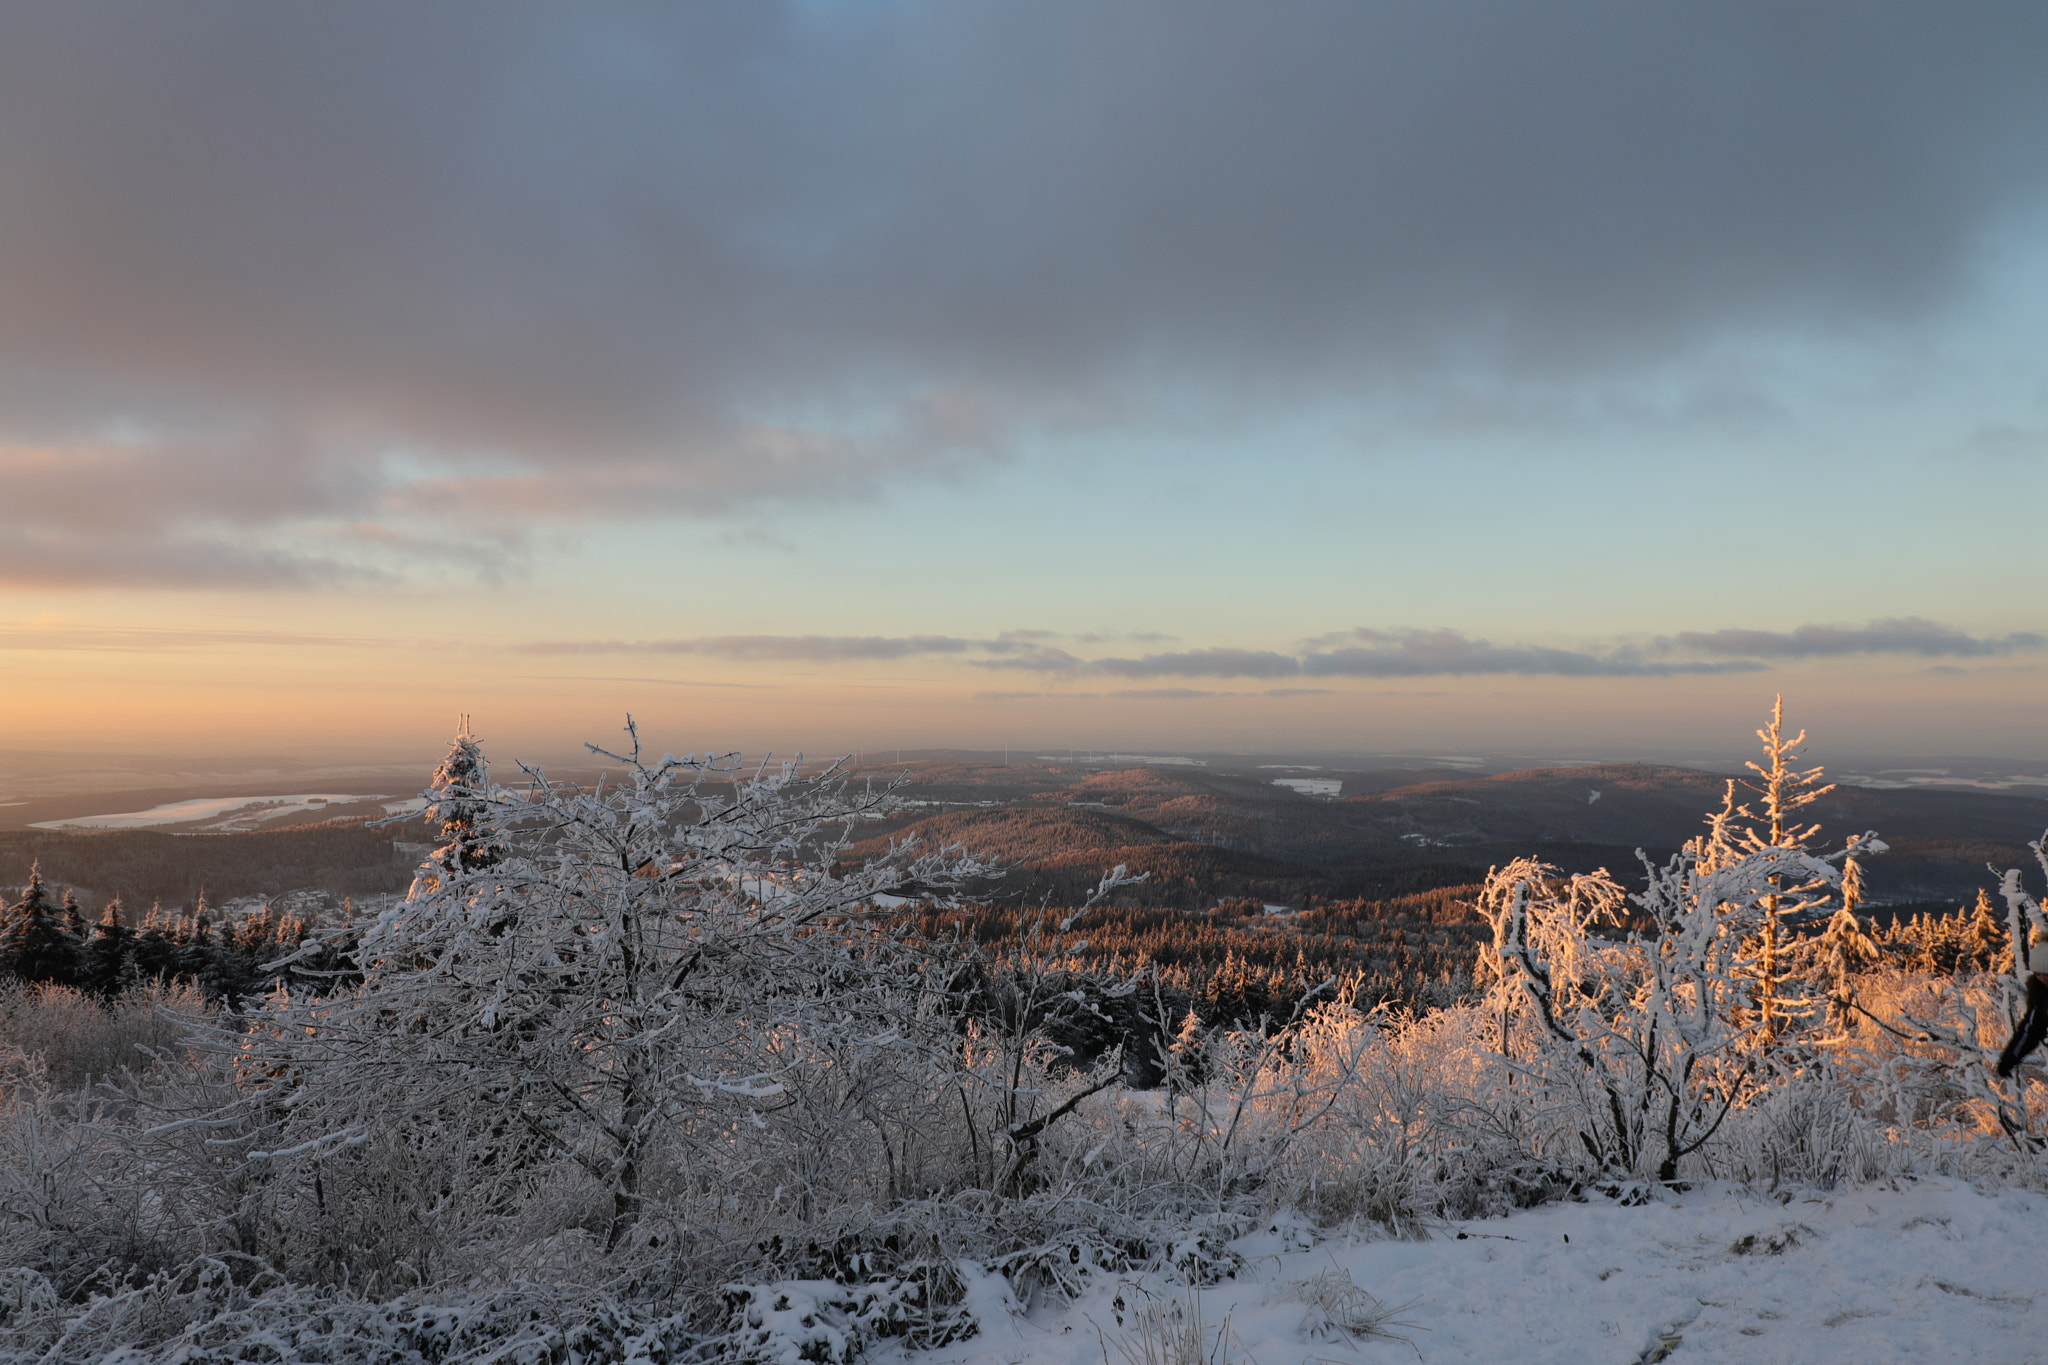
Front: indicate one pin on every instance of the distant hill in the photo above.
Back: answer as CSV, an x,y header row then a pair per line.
x,y
1209,833
343,858
1940,840
1061,853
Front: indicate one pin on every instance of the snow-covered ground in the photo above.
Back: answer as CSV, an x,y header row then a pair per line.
x,y
1329,787
223,814
1932,1271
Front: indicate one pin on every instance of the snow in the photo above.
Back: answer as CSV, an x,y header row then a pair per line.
x,y
1312,786
225,812
1930,1271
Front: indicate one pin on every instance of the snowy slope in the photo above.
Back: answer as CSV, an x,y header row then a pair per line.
x,y
1930,1272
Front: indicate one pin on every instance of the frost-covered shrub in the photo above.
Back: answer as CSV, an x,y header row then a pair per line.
x,y
75,1037
652,998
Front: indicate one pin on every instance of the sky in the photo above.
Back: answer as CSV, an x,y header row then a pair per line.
x,y
847,374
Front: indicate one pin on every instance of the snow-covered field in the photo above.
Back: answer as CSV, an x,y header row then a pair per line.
x,y
222,814
1931,1271
1331,787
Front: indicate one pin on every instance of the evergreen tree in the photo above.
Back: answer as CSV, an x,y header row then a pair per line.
x,y
1738,831
460,799
35,944
1783,790
1845,947
107,955
153,952
1986,944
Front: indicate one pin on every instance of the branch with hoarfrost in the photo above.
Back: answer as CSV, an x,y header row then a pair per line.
x,y
610,975
2024,916
1667,1029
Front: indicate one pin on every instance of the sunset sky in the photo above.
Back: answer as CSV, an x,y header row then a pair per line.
x,y
860,373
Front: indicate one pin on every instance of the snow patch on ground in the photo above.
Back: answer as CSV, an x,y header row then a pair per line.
x,y
1932,1271
224,813
1329,787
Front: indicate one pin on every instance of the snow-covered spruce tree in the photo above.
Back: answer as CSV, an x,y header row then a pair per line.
x,y
612,989
458,801
1845,948
1780,790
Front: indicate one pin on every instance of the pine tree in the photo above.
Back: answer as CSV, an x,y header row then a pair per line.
x,y
460,799
35,944
1845,946
1783,790
1737,831
152,950
1985,944
104,969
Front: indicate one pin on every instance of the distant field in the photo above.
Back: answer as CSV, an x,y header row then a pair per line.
x,y
237,814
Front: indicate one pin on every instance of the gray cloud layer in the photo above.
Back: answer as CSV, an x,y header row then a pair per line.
x,y
388,267
1892,635
1357,653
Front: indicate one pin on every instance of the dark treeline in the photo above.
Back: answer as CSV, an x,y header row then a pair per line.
x,y
1146,970
47,940
1056,855
145,867
1973,939
1141,969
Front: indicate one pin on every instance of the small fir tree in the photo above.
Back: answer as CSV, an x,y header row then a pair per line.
x,y
35,943
1846,947
1985,943
105,968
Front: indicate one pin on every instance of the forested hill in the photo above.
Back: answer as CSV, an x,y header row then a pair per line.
x,y
341,857
1205,834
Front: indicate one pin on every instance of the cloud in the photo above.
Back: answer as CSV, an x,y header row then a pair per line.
x,y
1156,694
1202,663
297,267
1447,653
1892,635
1951,670
1360,652
1010,649
777,648
1136,637
67,637
659,682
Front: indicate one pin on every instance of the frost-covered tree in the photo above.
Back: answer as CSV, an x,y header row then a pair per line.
x,y
458,801
1845,947
624,980
1985,943
2026,923
1779,789
1657,1028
